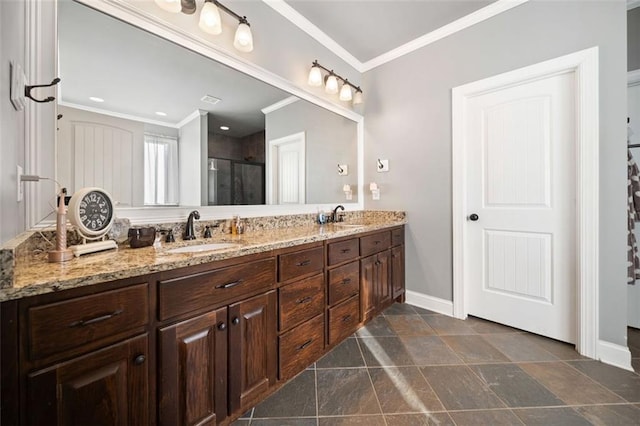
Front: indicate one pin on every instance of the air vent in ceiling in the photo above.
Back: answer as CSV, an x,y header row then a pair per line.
x,y
210,99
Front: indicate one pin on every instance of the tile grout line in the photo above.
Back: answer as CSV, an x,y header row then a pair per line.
x,y
375,393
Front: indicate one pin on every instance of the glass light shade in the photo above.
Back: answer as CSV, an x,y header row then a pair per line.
x,y
345,93
210,21
331,86
315,77
173,6
243,40
357,97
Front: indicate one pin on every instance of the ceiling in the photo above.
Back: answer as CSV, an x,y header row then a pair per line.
x,y
370,28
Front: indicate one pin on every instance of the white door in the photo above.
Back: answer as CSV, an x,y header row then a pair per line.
x,y
633,110
286,170
519,253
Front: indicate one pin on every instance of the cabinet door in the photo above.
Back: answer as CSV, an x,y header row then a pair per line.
x,y
397,271
193,370
367,287
383,280
105,387
252,350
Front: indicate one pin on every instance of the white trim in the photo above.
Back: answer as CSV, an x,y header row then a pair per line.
x,y
320,36
632,4
616,355
189,118
116,114
633,77
431,303
585,66
283,103
478,16
271,163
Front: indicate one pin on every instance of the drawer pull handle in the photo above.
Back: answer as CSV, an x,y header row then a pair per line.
x,y
139,360
346,281
377,262
376,242
222,326
304,263
305,344
83,323
345,250
229,285
236,321
346,318
304,300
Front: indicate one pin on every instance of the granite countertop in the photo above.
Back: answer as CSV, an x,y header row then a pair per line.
x,y
33,275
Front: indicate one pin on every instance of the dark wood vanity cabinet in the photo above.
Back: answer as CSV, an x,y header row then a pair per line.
x,y
193,346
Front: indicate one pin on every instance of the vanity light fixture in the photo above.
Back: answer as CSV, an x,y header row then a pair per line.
x,y
331,84
210,20
375,191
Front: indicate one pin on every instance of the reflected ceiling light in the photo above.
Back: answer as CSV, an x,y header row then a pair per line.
x,y
331,83
210,20
161,114
96,99
224,127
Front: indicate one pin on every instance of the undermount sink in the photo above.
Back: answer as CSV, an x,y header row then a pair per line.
x,y
202,247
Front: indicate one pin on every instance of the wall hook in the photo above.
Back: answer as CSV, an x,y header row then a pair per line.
x,y
28,89
380,165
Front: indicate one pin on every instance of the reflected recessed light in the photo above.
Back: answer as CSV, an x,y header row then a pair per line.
x,y
224,127
161,114
96,99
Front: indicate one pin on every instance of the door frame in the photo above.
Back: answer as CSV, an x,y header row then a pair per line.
x,y
584,65
271,162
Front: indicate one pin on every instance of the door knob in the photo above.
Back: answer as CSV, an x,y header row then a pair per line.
x,y
473,217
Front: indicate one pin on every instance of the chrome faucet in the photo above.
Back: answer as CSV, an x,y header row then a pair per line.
x,y
334,215
189,233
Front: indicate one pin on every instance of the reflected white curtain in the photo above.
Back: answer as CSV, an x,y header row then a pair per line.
x,y
160,170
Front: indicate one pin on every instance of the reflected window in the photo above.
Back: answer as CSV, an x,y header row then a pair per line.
x,y
160,170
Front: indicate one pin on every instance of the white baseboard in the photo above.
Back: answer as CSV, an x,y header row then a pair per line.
x,y
613,354
431,303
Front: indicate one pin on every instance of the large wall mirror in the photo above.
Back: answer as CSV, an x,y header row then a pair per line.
x,y
159,125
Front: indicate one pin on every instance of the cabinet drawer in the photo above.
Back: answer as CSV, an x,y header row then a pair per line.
x,y
343,251
343,319
397,236
65,325
375,243
186,294
301,301
300,263
301,346
344,281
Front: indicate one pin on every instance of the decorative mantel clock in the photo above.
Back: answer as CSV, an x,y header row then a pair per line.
x,y
91,212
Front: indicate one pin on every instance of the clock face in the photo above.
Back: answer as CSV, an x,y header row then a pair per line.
x,y
95,211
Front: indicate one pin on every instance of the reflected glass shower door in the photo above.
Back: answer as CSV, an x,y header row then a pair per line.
x,y
236,183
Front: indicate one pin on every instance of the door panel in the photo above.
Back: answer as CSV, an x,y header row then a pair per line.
x,y
520,253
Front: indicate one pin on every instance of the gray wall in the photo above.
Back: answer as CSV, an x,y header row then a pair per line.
x,y
12,134
408,120
192,150
633,39
330,140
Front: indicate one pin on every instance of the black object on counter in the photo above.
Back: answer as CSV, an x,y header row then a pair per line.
x,y
141,237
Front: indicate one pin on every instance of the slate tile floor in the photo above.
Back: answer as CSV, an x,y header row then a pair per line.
x,y
416,367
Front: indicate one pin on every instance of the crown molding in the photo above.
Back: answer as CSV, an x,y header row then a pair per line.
x,y
117,114
283,103
458,25
305,25
320,36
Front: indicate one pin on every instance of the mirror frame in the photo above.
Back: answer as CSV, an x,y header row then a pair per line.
x,y
35,142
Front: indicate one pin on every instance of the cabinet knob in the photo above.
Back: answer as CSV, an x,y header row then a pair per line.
x,y
139,360
236,321
377,262
222,326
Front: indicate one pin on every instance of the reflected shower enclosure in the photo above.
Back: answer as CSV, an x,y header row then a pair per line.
x,y
233,182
